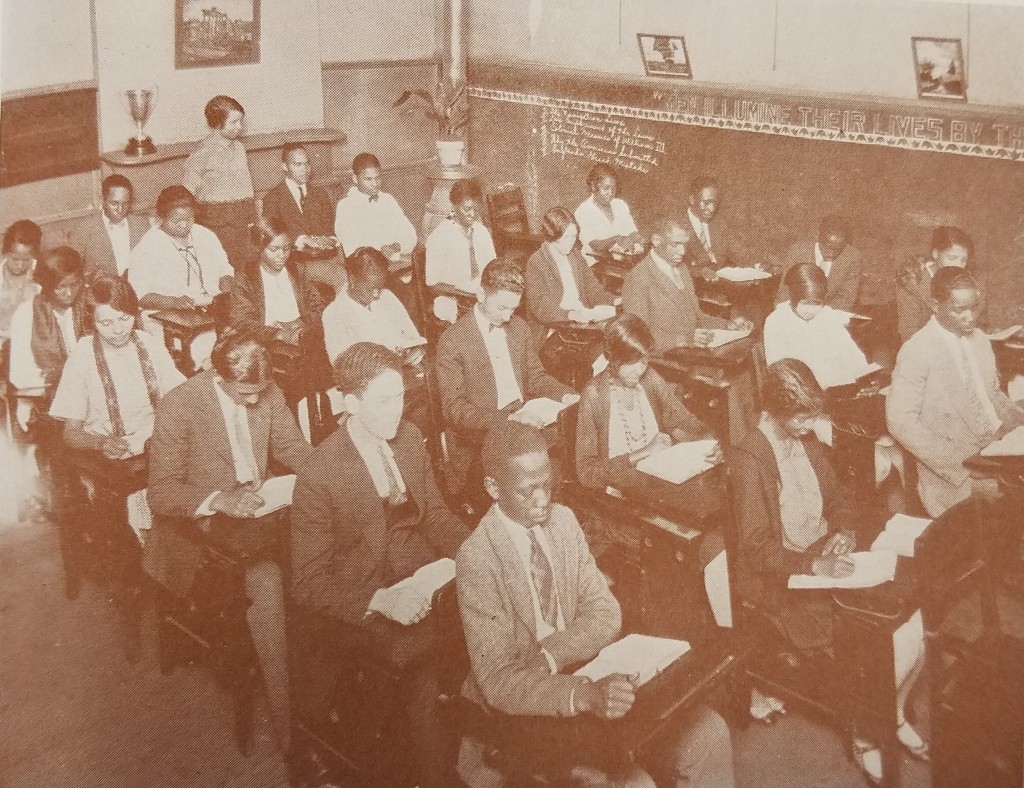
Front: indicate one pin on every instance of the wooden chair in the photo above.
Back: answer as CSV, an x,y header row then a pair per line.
x,y
510,224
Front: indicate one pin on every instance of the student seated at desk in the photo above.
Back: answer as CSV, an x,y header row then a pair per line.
x,y
951,247
627,413
303,210
214,439
21,247
944,404
459,248
367,515
366,311
712,247
47,328
604,219
806,328
106,241
795,518
178,265
659,290
533,603
274,292
366,216
835,258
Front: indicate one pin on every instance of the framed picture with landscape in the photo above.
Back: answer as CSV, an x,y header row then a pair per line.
x,y
216,33
664,56
939,68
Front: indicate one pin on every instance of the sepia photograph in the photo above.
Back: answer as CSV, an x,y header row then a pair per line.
x,y
433,394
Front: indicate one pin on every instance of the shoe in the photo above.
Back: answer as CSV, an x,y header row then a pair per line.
x,y
869,759
910,739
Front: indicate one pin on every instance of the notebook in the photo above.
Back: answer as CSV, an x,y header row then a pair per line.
x,y
276,493
734,274
869,569
429,578
543,408
641,657
681,462
723,336
900,534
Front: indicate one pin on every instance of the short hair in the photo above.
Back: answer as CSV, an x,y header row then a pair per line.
x,y
702,182
240,355
115,292
554,223
664,223
833,225
289,147
56,265
946,237
24,232
363,162
466,189
949,279
598,173
116,181
502,274
627,340
267,229
805,282
506,441
790,389
218,108
360,364
173,197
363,258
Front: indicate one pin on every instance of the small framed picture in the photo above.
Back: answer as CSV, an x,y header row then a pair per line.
x,y
939,68
664,56
216,33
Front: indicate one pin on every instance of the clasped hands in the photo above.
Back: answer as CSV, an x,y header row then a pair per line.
x,y
610,698
835,560
241,502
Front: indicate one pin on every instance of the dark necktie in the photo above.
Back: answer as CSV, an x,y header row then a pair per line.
x,y
395,495
543,580
474,269
302,198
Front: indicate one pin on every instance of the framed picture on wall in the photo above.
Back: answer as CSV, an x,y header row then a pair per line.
x,y
664,56
939,68
216,33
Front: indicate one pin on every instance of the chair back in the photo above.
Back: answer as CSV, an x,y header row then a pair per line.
x,y
507,211
454,669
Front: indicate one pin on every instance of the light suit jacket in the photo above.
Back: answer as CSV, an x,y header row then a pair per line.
x,y
843,276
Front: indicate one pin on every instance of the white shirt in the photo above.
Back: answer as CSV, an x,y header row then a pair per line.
x,y
701,230
595,225
448,261
820,261
120,242
385,321
369,448
25,374
279,300
823,343
358,221
521,540
158,266
570,290
496,342
955,342
669,270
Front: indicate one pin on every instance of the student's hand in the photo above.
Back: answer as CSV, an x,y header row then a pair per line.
x,y
184,303
531,420
837,566
611,698
115,448
405,606
841,543
391,250
715,455
570,399
240,502
740,324
707,274
702,337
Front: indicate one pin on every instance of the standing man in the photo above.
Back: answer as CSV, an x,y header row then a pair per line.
x,y
840,262
106,241
533,602
712,246
366,216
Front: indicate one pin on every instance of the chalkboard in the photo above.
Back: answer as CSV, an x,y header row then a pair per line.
x,y
48,135
782,164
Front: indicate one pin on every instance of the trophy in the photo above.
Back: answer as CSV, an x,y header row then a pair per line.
x,y
139,104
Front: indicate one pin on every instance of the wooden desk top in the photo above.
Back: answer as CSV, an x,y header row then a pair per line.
x,y
252,142
730,356
182,319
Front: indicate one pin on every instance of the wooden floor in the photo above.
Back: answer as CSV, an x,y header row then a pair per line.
x,y
75,714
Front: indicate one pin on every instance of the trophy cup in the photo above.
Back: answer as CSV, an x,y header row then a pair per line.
x,y
139,104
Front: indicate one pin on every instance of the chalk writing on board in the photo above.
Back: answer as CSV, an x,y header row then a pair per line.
x,y
598,137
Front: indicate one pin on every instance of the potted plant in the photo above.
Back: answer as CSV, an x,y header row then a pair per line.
x,y
447,108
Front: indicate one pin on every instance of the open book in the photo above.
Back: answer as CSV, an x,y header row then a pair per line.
x,y
276,493
869,569
678,463
594,314
1010,445
723,336
640,657
900,534
734,274
543,408
429,578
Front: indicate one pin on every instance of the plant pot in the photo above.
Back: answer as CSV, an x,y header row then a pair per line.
x,y
451,153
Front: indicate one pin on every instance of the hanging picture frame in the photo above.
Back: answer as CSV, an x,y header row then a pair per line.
x,y
210,33
939,68
664,56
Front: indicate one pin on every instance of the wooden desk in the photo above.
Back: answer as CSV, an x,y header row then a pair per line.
x,y
180,330
611,269
1010,357
753,300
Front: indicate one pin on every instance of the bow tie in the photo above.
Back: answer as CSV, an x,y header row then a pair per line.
x,y
373,198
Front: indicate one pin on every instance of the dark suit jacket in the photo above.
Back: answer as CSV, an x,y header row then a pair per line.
x,y
671,314
342,547
469,398
249,306
722,245
190,457
500,624
91,240
843,277
544,286
317,219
